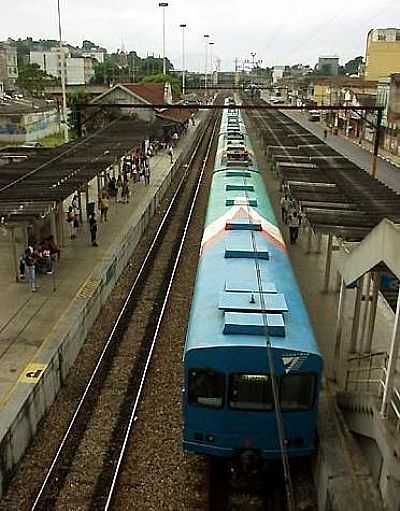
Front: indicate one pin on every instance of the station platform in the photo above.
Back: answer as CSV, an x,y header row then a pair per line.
x,y
41,333
346,465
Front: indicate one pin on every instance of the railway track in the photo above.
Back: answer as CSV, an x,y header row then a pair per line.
x,y
85,471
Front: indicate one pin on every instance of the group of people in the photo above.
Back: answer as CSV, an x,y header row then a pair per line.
x,y
291,214
38,258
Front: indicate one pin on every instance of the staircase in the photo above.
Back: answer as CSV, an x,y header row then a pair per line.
x,y
361,404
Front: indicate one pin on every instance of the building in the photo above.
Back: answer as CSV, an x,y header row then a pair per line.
x,y
382,57
277,73
8,65
78,70
328,66
389,98
27,121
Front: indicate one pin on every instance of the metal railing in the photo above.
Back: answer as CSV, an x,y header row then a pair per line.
x,y
367,373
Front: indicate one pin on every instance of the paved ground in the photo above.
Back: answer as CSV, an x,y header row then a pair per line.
x,y
361,156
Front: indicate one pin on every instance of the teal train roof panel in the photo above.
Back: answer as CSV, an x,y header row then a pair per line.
x,y
254,324
249,286
250,302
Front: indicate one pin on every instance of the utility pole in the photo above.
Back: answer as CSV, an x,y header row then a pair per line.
x,y
63,89
376,141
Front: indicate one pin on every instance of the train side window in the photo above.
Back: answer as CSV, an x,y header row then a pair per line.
x,y
206,388
297,391
250,391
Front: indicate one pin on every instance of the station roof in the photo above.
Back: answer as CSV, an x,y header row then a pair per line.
x,y
31,188
337,196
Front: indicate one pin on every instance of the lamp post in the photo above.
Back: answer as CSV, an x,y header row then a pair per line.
x,y
183,26
164,5
62,63
211,44
206,37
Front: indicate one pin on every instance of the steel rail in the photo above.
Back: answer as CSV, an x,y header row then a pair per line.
x,y
113,335
133,416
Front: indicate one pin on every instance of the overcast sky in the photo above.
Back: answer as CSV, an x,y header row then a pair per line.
x,y
280,31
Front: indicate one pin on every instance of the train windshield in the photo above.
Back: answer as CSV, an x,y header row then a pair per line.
x,y
206,388
250,391
297,391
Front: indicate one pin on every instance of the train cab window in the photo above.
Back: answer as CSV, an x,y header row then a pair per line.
x,y
206,388
250,391
297,391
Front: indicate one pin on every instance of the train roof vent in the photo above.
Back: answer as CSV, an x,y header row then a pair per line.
x,y
273,303
244,224
242,187
237,173
243,248
253,324
249,286
241,201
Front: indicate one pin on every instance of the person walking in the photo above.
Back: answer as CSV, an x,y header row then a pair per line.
x,y
70,219
294,221
93,229
325,133
284,208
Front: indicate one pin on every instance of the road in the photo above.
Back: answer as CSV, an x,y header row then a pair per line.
x,y
386,172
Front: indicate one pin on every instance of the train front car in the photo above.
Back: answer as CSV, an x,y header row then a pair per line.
x,y
246,297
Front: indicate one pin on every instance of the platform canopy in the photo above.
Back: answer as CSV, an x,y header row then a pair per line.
x,y
31,188
337,196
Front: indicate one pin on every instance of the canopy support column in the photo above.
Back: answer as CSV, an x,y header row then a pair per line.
x,y
328,263
339,328
356,319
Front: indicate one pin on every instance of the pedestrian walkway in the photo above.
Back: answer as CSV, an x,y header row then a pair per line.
x,y
33,326
387,171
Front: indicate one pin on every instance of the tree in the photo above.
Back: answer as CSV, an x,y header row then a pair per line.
x,y
352,67
160,78
32,79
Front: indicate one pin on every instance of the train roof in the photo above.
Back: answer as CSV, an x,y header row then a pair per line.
x,y
245,285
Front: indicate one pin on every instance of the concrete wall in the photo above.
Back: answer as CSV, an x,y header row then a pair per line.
x,y
66,339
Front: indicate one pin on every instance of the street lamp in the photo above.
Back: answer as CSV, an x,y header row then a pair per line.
x,y
206,37
62,62
183,26
163,5
211,62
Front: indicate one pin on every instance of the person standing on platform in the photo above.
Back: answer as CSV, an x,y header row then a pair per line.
x,y
93,229
294,222
147,173
284,208
125,192
171,153
30,265
103,205
325,133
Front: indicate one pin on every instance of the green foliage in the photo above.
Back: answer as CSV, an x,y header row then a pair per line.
x,y
32,79
352,67
160,78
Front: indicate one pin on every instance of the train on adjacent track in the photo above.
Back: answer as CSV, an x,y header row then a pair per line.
x,y
251,361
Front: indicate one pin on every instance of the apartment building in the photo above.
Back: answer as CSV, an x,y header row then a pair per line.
x,y
382,56
78,70
8,65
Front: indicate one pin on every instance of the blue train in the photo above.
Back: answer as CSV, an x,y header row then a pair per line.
x,y
247,311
